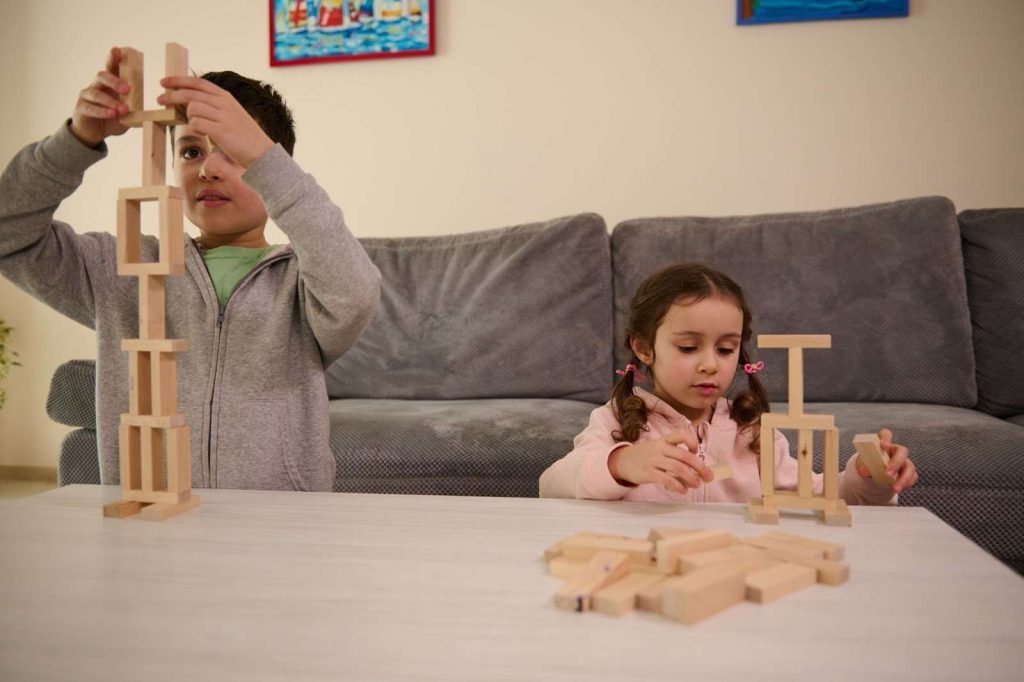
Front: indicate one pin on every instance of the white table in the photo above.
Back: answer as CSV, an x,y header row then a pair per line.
x,y
304,586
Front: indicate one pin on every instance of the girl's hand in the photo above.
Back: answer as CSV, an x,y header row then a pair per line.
x,y
662,461
900,468
214,112
98,109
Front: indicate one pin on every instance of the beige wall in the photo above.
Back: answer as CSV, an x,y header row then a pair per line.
x,y
538,108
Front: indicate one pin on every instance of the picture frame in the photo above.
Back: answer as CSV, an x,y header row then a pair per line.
x,y
310,31
784,11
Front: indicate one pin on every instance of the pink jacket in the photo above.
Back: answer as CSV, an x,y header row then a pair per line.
x,y
583,473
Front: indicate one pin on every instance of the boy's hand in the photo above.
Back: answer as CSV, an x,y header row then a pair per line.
x,y
900,468
662,461
214,112
98,109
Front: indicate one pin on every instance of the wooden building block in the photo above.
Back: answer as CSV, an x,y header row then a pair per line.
x,y
870,454
156,345
179,460
121,509
795,381
829,571
764,543
663,533
162,117
649,598
140,389
583,547
695,596
777,581
164,384
811,422
758,511
131,71
141,269
172,231
794,340
154,475
619,598
767,463
838,515
668,551
175,60
830,464
830,550
721,471
129,233
152,307
804,462
159,512
169,422
564,567
724,556
154,154
155,496
130,456
601,569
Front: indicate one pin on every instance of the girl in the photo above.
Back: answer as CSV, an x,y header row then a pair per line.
x,y
689,327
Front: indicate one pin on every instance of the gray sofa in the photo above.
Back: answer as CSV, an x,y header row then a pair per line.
x,y
491,348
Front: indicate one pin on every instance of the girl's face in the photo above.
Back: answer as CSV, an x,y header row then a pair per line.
x,y
695,355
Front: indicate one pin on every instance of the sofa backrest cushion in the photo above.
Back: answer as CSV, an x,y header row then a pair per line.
x,y
993,243
521,311
886,281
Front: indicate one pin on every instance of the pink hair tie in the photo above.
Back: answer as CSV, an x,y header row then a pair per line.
x,y
637,374
753,368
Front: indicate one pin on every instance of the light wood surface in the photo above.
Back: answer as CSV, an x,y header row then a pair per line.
x,y
318,586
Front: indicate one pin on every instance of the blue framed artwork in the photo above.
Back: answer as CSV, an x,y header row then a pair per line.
x,y
778,11
305,31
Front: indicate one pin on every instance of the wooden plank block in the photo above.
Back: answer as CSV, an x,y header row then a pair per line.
x,y
153,472
139,387
140,269
165,384
665,532
785,499
564,567
121,509
698,595
152,307
156,496
796,381
155,345
804,462
668,551
759,512
869,453
172,231
830,464
175,61
129,233
159,512
724,556
813,422
601,569
837,515
649,598
767,463
150,193
777,581
154,154
130,457
830,550
179,460
829,571
721,472
763,543
131,70
584,547
794,340
169,422
619,598
163,117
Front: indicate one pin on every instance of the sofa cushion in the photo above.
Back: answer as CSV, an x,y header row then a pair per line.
x,y
971,466
886,281
993,243
522,311
461,447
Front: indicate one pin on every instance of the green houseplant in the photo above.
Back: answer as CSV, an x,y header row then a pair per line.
x,y
7,360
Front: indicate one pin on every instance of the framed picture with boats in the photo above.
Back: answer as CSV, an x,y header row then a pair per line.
x,y
307,31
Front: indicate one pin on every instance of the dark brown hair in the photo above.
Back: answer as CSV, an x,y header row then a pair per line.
x,y
681,283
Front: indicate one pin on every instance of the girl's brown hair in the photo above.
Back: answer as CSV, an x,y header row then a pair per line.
x,y
687,283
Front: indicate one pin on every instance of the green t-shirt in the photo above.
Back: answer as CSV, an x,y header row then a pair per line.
x,y
227,266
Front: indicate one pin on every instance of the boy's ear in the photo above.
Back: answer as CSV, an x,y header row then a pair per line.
x,y
641,350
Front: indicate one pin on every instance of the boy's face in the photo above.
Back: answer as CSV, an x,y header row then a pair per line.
x,y
217,201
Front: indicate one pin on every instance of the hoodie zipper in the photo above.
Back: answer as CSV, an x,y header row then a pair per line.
x,y
221,313
702,432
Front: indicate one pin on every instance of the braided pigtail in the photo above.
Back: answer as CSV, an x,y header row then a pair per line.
x,y
629,409
748,406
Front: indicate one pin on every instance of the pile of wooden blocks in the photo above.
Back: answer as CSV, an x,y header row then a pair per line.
x,y
687,574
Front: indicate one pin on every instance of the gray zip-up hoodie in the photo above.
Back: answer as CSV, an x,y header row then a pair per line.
x,y
251,384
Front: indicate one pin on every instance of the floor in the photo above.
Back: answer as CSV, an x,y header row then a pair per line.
x,y
13,489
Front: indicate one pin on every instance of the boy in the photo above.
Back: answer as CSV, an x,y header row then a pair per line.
x,y
262,322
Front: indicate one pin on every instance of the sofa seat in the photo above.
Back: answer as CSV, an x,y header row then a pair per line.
x,y
490,447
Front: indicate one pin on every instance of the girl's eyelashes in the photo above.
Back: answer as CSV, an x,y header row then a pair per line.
x,y
726,351
687,349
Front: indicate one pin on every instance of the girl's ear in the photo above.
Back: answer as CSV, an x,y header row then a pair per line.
x,y
641,350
